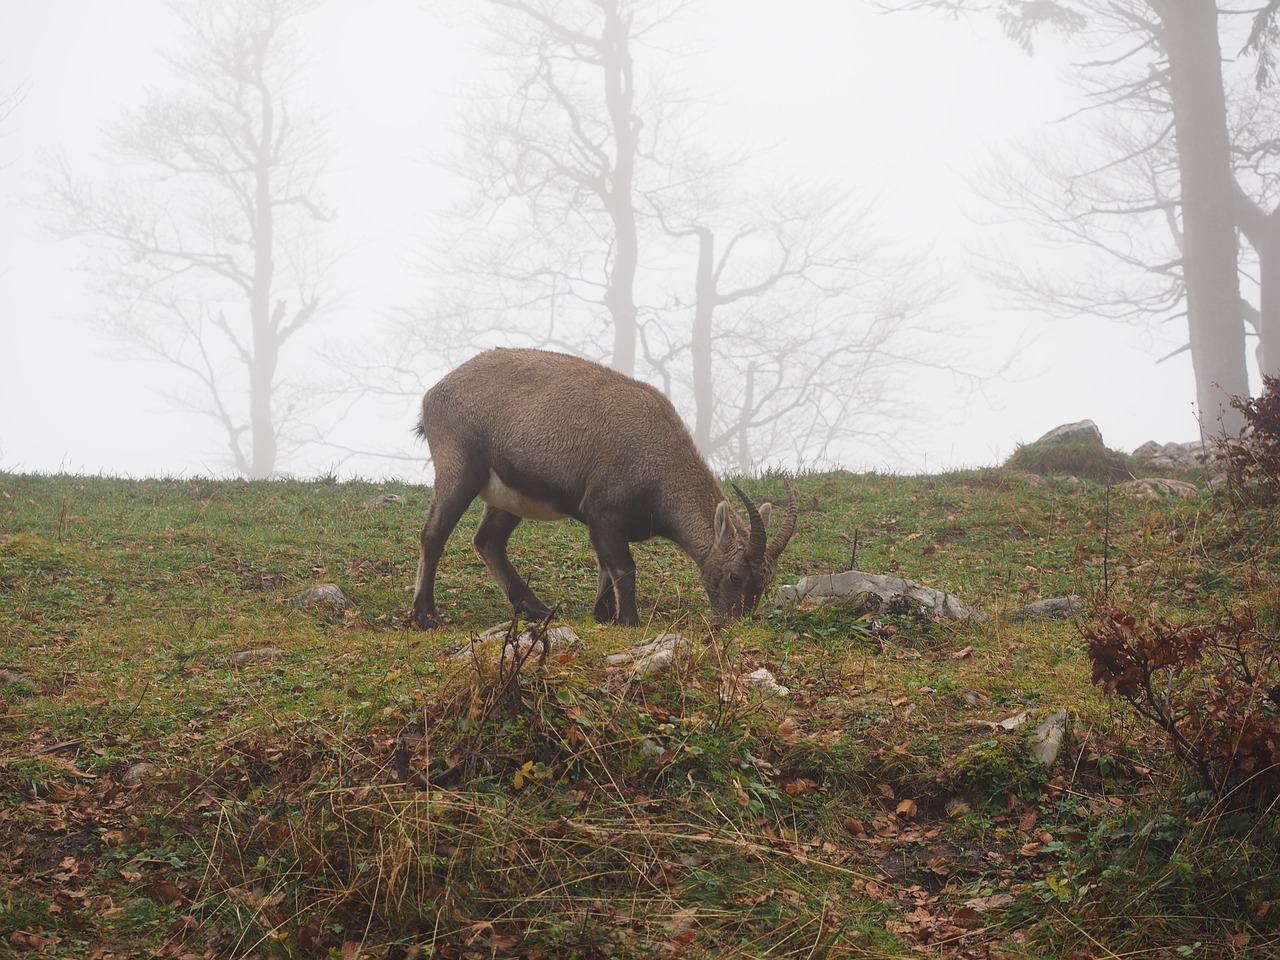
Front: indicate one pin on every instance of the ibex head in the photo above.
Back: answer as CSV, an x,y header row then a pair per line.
x,y
743,562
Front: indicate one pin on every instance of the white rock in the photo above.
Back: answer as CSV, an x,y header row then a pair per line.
x,y
1046,740
763,679
384,500
1154,488
324,593
825,587
557,637
1083,431
652,657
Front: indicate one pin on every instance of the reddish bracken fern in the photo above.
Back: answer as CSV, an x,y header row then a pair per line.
x,y
1214,690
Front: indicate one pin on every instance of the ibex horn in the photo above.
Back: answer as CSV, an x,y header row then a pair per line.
x,y
783,536
756,541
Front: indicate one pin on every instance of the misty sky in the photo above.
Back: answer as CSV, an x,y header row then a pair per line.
x,y
906,108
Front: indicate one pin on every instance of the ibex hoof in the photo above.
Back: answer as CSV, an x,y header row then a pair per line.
x,y
424,621
530,611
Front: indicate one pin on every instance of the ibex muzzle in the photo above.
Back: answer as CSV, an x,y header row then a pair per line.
x,y
539,435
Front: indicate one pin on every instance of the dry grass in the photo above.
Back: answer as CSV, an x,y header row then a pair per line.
x,y
364,792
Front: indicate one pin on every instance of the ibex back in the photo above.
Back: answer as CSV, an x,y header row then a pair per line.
x,y
539,435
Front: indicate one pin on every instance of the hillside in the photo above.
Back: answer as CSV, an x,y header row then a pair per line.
x,y
194,765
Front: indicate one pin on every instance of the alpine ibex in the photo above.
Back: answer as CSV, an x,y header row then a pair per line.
x,y
542,435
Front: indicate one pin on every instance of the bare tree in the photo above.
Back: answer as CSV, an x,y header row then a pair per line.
x,y
10,101
208,251
798,313
596,223
1170,49
553,148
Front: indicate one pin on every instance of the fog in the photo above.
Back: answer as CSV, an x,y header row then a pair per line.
x,y
887,125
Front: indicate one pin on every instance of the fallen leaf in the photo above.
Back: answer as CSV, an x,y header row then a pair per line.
x,y
907,808
993,902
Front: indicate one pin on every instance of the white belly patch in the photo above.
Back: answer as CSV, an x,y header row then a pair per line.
x,y
498,494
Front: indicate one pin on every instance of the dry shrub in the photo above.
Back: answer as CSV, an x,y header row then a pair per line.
x,y
1214,690
1252,460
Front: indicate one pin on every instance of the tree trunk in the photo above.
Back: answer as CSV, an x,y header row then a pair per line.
x,y
1269,299
620,204
1190,39
262,363
700,341
744,421
1262,230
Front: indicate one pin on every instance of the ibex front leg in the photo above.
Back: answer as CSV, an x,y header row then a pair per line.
x,y
616,597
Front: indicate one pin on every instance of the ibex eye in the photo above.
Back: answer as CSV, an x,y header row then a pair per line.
x,y
735,579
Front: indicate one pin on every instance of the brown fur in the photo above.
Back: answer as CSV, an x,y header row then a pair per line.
x,y
564,436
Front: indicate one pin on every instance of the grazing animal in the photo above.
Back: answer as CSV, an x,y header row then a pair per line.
x,y
539,435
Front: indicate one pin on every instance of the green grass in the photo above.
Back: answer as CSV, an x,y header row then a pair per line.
x,y
574,812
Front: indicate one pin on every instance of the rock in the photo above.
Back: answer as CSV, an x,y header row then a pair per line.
x,y
1083,431
1193,455
1156,488
1054,608
1045,741
384,500
652,657
11,678
893,591
557,637
1011,723
763,679
244,657
324,593
1035,480
135,773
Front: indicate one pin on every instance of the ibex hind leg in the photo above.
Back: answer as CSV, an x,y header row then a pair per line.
x,y
492,535
448,505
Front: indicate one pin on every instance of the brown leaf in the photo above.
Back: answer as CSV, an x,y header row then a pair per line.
x,y
907,808
165,893
800,787
993,902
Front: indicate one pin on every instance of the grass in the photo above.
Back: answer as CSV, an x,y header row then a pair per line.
x,y
367,793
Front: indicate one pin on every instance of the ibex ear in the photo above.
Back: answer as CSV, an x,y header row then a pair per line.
x,y
722,520
765,510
